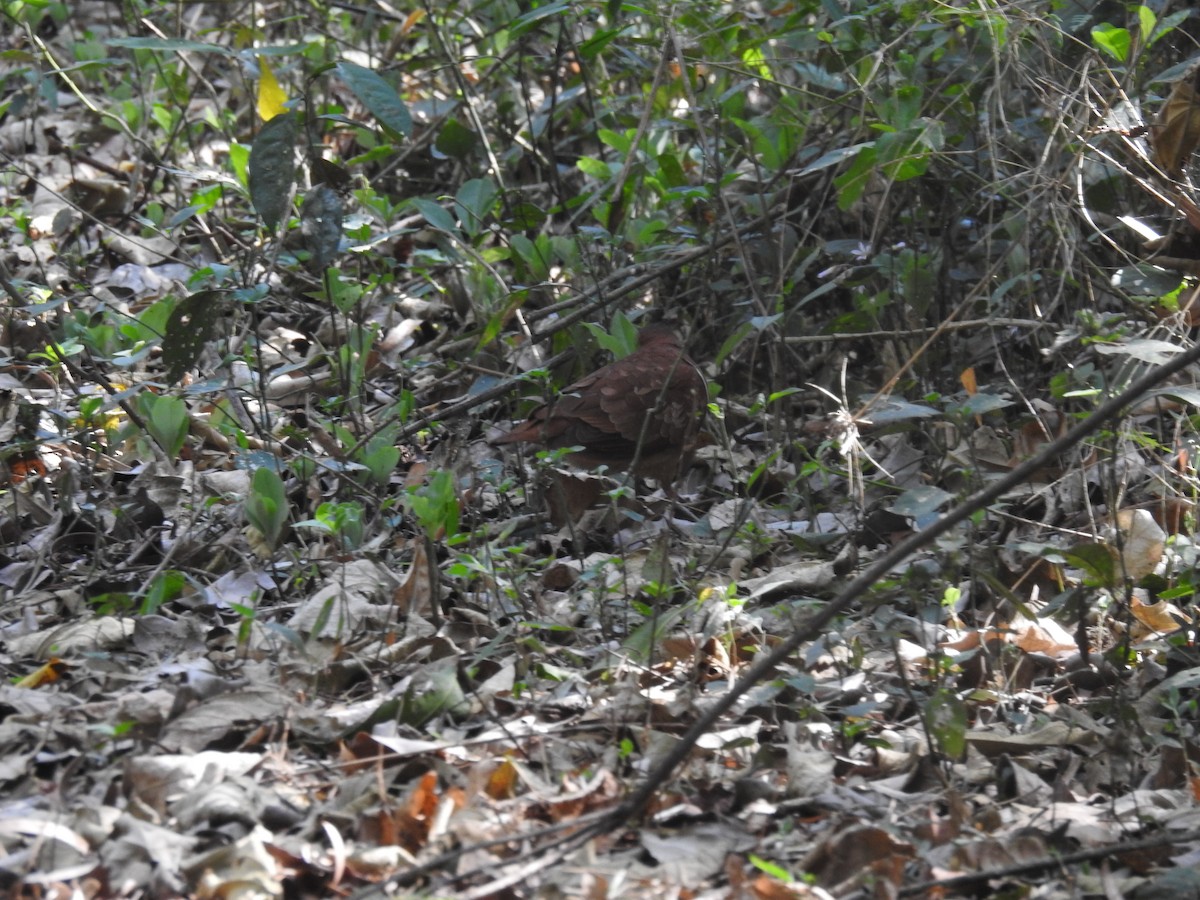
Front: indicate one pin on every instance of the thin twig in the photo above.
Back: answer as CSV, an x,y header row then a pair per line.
x,y
967,325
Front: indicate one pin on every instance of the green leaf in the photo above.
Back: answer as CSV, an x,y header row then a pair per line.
x,y
896,409
167,586
473,203
266,507
272,169
381,462
1112,40
530,20
853,181
597,168
378,96
239,161
590,48
1097,562
834,158
621,338
1166,25
166,420
1182,394
641,642
456,140
1146,22
670,171
981,403
322,619
946,717
1147,350
435,506
731,343
534,256
169,45
778,872
436,216
618,140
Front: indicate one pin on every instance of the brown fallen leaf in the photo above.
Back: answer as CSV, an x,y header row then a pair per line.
x,y
1177,135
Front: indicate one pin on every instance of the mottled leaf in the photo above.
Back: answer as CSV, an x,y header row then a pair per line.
x,y
188,330
321,224
272,169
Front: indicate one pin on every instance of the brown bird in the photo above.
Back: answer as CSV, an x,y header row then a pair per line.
x,y
640,413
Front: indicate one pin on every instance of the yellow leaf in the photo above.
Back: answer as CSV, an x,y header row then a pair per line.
x,y
271,98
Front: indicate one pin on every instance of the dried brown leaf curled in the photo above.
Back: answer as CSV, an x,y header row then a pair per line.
x,y
1177,135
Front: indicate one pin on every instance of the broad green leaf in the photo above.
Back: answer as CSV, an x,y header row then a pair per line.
x,y
982,403
597,168
1112,40
536,260
266,507
473,203
1187,395
436,216
456,140
618,140
1097,562
620,340
670,171
239,161
381,462
1166,25
641,643
378,96
166,420
1146,22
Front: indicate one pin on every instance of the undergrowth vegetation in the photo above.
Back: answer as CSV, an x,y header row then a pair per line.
x,y
273,607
